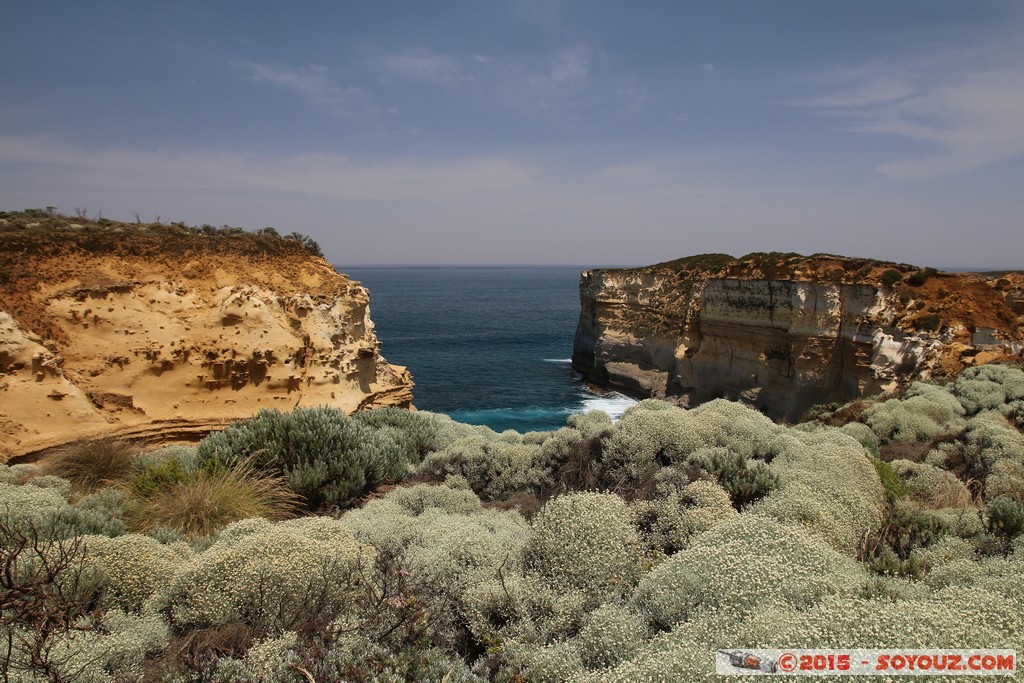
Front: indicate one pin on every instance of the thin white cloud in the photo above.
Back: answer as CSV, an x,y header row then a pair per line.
x,y
311,174
427,67
545,13
568,71
707,66
503,208
635,99
971,118
314,82
867,91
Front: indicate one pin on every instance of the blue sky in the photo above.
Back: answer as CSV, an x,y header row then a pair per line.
x,y
528,132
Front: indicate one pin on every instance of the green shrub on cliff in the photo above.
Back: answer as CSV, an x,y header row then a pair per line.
x,y
494,466
326,457
417,432
273,577
927,412
745,480
744,563
826,483
989,387
585,542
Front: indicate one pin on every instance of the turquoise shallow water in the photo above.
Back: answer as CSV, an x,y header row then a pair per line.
x,y
486,345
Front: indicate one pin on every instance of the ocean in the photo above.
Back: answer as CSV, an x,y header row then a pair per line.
x,y
485,345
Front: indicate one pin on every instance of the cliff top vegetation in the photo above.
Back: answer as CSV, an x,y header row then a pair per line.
x,y
626,551
46,232
777,265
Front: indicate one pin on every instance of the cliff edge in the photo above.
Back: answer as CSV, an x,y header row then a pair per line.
x,y
166,332
783,332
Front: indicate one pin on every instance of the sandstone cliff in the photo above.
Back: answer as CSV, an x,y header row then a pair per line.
x,y
166,332
783,332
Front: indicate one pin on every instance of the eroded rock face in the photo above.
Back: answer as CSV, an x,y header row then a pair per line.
x,y
783,332
145,336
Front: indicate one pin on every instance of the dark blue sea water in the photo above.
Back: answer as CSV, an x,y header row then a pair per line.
x,y
486,345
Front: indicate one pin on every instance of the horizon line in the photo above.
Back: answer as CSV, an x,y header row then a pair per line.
x,y
479,265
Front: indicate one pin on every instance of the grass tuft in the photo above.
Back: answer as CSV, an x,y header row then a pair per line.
x,y
211,499
92,465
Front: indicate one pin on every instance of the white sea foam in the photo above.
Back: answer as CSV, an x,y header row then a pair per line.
x,y
613,403
564,361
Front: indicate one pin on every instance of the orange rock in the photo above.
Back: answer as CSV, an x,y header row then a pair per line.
x,y
168,336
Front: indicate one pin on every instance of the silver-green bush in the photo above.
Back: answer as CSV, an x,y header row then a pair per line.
x,y
266,574
927,412
743,563
133,567
327,458
585,541
610,634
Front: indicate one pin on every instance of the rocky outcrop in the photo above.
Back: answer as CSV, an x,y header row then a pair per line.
x,y
164,333
1011,286
783,332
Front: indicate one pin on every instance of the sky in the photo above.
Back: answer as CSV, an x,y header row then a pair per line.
x,y
580,132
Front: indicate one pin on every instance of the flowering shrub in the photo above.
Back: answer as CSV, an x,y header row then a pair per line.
x,y
1006,479
990,438
417,499
270,658
359,658
448,543
936,560
493,467
455,550
270,575
417,516
743,563
1005,518
585,541
990,450
988,387
115,652
666,523
18,474
706,504
827,483
510,606
50,481
650,434
932,486
928,412
732,425
867,438
557,663
591,423
45,508
133,567
30,503
610,634
950,617
107,506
